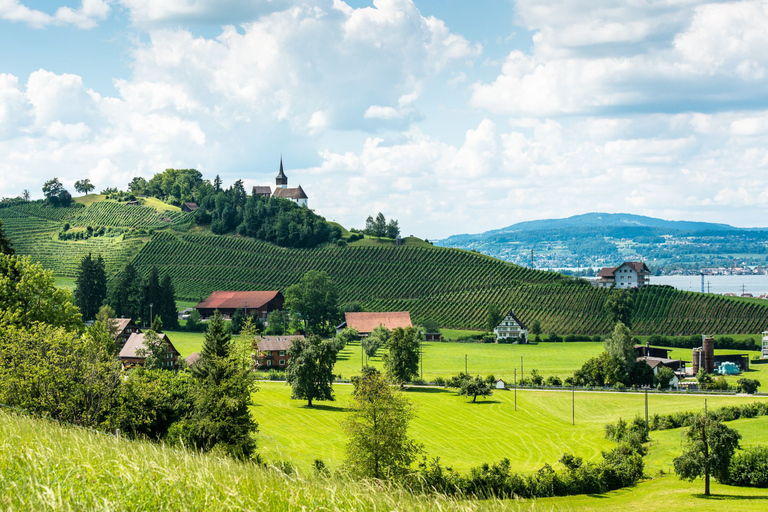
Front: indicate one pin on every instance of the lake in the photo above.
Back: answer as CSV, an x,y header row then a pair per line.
x,y
754,284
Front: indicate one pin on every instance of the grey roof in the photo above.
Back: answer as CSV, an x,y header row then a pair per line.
x,y
290,193
121,324
259,190
136,342
281,179
192,358
512,314
269,343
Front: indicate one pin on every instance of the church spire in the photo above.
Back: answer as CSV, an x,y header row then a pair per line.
x,y
282,179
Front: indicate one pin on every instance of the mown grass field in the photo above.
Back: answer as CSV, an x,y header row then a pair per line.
x,y
465,434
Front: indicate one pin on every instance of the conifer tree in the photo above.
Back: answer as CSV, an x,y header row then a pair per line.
x,y
167,306
91,286
6,247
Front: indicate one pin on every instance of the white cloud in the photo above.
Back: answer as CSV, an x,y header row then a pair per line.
x,y
86,16
214,12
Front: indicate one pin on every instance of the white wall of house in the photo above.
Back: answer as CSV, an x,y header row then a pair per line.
x,y
625,277
509,328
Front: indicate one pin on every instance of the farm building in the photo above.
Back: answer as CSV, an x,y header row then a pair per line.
x,y
432,336
765,344
630,274
263,303
125,327
192,359
656,357
500,384
273,351
704,357
365,323
260,191
511,327
189,207
129,356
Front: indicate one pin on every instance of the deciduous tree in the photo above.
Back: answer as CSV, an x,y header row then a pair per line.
x,y
6,247
475,387
708,451
379,446
402,362
374,341
619,306
494,317
310,368
314,300
84,186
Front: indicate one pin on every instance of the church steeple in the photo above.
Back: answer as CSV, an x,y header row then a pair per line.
x,y
281,180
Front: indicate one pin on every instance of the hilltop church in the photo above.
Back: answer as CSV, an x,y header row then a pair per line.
x,y
297,195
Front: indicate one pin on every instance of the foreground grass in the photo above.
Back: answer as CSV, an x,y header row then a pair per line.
x,y
46,467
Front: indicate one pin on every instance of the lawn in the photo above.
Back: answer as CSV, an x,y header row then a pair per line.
x,y
65,282
89,199
465,434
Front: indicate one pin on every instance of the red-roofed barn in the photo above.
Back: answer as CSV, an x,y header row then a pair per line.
x,y
227,303
365,322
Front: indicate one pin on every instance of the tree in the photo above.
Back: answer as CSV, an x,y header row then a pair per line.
x,y
374,341
402,362
237,320
747,386
276,323
153,351
493,317
620,344
152,293
138,185
663,377
708,451
475,387
310,368
217,184
28,294
84,186
157,324
619,306
126,295
379,446
347,335
393,229
217,340
55,193
6,247
535,327
430,326
90,286
314,300
26,195
167,303
380,225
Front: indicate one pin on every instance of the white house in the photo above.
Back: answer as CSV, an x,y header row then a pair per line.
x,y
511,327
765,343
630,274
500,384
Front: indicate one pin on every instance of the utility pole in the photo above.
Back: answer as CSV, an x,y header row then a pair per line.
x,y
573,404
151,318
465,365
531,257
521,367
421,358
515,389
646,408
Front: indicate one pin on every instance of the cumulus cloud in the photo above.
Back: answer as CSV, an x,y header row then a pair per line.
x,y
608,56
86,16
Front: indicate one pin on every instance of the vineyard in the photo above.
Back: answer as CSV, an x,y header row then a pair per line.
x,y
452,286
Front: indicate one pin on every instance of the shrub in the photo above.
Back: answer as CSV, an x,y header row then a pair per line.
x,y
749,468
747,385
438,381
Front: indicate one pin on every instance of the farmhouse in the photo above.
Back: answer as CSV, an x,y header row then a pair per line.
x,y
657,357
630,274
765,344
365,323
189,207
130,353
511,327
273,351
125,327
260,191
260,302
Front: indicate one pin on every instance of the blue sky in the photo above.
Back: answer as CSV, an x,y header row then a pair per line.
x,y
452,116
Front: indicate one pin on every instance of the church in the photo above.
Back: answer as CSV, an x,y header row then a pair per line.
x,y
297,195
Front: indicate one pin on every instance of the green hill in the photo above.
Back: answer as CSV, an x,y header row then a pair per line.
x,y
452,286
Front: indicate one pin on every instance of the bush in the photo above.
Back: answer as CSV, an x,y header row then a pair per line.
x,y
749,468
747,385
438,381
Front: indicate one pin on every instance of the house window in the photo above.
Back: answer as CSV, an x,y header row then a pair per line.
x,y
281,353
269,362
282,362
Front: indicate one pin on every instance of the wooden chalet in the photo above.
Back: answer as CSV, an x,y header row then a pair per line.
x,y
129,355
261,302
261,191
273,351
125,327
189,207
366,322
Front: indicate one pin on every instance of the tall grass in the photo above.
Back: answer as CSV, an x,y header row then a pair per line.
x,y
44,466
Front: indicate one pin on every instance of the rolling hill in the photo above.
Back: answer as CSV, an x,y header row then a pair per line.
x,y
597,239
452,286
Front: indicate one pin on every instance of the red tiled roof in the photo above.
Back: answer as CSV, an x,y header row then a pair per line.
x,y
269,343
367,322
606,272
235,300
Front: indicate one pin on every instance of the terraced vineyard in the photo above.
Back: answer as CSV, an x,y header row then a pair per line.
x,y
452,286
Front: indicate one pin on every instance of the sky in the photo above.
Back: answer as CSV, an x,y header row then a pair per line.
x,y
451,116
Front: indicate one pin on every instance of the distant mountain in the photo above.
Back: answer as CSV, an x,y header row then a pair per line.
x,y
597,238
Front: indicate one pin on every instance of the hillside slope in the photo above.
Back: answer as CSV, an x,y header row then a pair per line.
x,y
452,286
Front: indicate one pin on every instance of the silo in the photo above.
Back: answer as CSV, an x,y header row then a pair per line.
x,y
709,353
698,359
